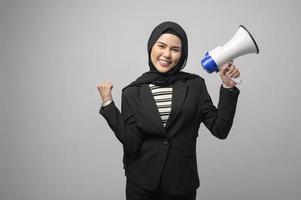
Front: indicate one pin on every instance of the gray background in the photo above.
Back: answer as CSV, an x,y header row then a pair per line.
x,y
55,145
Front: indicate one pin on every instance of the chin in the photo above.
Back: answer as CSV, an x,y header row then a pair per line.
x,y
164,69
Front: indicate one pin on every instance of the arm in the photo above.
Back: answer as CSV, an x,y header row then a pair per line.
x,y
219,120
123,124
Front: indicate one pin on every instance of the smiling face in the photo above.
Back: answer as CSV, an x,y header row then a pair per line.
x,y
166,52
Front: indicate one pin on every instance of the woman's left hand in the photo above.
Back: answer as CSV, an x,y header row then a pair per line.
x,y
228,71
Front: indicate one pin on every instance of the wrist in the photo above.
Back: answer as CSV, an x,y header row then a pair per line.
x,y
227,86
106,98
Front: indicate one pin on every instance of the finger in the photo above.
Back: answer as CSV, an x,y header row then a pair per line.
x,y
231,69
229,64
237,74
225,68
233,72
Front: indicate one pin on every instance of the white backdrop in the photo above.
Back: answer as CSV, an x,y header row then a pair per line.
x,y
54,144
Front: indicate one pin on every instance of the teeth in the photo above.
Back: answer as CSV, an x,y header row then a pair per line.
x,y
164,61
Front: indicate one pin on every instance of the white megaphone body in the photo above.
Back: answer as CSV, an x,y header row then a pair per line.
x,y
241,43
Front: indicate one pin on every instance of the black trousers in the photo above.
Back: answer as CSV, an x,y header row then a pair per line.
x,y
134,192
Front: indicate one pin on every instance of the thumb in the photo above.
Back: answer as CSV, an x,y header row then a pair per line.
x,y
224,69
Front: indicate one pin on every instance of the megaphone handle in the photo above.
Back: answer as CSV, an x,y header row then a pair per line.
x,y
237,80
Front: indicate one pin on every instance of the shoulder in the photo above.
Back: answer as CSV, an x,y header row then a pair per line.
x,y
194,79
130,91
196,84
188,76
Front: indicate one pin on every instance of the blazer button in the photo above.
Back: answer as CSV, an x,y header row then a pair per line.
x,y
165,141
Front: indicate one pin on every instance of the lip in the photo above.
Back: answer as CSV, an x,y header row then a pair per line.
x,y
164,63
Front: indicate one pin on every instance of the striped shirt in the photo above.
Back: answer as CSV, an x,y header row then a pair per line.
x,y
163,99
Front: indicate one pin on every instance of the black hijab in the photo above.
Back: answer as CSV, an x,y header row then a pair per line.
x,y
164,79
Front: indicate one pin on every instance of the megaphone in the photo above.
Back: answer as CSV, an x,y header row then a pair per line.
x,y
241,43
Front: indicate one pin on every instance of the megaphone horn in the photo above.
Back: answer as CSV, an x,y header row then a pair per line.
x,y
241,43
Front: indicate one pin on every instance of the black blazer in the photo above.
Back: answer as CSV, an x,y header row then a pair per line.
x,y
153,152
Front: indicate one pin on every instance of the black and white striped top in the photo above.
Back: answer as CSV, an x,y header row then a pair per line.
x,y
163,99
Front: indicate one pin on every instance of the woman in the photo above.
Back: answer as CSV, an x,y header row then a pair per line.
x,y
161,114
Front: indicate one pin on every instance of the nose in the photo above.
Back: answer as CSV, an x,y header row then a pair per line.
x,y
166,53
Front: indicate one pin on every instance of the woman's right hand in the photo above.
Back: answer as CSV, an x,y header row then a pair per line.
x,y
105,89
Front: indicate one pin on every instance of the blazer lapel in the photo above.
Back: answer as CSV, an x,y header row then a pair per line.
x,y
178,97
148,103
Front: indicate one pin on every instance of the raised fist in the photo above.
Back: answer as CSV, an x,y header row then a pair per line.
x,y
105,89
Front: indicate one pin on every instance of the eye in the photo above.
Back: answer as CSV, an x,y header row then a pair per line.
x,y
176,50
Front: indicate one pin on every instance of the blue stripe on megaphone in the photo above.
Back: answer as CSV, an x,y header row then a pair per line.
x,y
209,64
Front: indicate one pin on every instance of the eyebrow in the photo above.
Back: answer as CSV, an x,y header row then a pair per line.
x,y
178,47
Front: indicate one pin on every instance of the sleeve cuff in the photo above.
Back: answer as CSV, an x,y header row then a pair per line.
x,y
106,103
230,89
